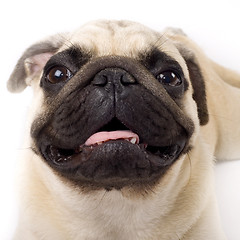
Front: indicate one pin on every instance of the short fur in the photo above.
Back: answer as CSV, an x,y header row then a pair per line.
x,y
167,200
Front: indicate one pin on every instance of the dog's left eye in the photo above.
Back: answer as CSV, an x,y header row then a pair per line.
x,y
58,74
169,78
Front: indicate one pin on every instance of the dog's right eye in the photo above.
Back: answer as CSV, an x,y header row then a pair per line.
x,y
58,74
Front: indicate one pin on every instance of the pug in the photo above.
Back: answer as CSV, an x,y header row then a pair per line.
x,y
123,133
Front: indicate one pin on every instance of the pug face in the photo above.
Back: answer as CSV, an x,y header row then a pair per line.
x,y
117,105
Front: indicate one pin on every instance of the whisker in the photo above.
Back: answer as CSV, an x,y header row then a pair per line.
x,y
223,117
24,148
178,236
100,200
67,42
151,190
190,166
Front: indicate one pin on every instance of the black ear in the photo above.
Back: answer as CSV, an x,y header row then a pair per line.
x,y
32,62
198,84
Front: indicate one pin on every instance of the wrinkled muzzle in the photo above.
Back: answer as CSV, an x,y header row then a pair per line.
x,y
112,125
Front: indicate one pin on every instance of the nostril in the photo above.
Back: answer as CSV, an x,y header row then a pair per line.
x,y
100,80
127,79
116,76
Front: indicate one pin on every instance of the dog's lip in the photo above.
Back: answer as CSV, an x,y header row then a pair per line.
x,y
71,157
114,163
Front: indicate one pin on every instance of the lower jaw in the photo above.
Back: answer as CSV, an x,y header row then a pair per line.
x,y
104,166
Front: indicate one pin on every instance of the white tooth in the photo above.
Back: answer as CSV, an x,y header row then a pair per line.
x,y
99,143
133,140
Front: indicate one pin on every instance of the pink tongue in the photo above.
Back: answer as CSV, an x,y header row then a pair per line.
x,y
114,135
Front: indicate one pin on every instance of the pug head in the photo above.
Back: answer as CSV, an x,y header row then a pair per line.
x,y
120,104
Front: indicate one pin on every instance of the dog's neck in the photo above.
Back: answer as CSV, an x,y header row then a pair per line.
x,y
116,214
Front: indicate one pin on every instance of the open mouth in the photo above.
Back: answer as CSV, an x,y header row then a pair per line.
x,y
117,132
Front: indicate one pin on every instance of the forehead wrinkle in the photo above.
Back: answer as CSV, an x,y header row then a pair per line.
x,y
117,38
123,38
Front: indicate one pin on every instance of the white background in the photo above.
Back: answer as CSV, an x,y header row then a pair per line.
x,y
215,25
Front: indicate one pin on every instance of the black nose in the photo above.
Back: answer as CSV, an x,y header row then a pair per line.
x,y
114,76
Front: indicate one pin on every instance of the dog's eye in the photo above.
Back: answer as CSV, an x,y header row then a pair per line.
x,y
58,74
169,78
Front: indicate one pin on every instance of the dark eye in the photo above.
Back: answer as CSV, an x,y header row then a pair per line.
x,y
58,74
169,78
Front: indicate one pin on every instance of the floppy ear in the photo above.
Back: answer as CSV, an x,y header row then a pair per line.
x,y
186,49
32,62
198,84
